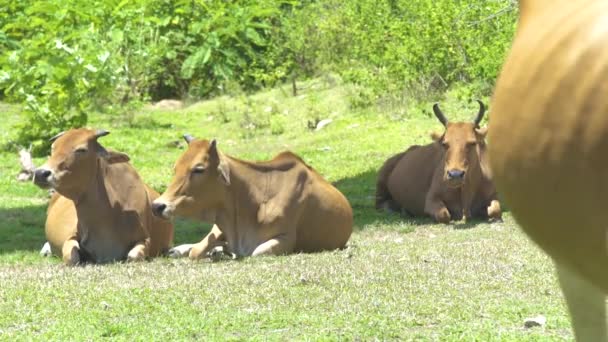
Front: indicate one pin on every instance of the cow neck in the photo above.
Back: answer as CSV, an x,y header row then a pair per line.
x,y
94,202
248,188
484,162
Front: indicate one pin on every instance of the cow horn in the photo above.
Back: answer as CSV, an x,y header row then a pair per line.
x,y
482,111
55,137
188,138
439,114
101,133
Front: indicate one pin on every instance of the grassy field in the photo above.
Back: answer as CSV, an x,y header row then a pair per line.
x,y
399,278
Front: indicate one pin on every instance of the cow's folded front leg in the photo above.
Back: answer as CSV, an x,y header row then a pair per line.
x,y
139,252
282,244
213,239
70,252
437,210
180,251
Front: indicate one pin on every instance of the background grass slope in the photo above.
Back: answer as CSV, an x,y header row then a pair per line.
x,y
399,278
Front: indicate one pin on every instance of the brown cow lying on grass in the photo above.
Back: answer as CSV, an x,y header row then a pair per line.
x,y
274,207
101,211
549,146
447,179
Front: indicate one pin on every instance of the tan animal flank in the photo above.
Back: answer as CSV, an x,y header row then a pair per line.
x,y
447,179
101,211
274,207
549,146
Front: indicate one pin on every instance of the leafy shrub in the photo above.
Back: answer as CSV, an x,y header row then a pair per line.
x,y
64,59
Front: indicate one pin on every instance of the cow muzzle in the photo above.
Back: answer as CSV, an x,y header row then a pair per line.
x,y
161,209
455,177
44,177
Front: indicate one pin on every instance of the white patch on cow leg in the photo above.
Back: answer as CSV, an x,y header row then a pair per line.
x,y
276,246
46,250
137,253
587,306
180,251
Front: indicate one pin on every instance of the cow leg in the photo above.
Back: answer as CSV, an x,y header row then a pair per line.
x,y
437,210
180,251
70,252
467,203
282,244
586,304
494,211
139,251
213,239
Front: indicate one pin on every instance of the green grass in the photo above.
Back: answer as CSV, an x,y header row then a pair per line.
x,y
399,279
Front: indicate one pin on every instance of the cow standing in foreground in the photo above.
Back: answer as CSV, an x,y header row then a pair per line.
x,y
274,207
549,146
101,211
447,179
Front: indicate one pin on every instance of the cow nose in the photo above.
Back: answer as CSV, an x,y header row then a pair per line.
x,y
455,174
42,175
158,208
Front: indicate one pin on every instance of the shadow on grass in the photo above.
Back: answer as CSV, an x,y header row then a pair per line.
x,y
360,192
22,229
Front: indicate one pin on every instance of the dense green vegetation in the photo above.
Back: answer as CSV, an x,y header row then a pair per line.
x,y
64,59
399,279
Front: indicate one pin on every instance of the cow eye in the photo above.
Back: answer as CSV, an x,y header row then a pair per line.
x,y
471,143
198,169
445,145
81,150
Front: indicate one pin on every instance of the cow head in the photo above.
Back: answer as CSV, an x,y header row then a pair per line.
x,y
197,188
462,142
73,161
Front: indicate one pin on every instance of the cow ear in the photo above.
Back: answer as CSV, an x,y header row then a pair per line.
x,y
482,131
436,136
212,151
222,163
112,156
116,157
224,171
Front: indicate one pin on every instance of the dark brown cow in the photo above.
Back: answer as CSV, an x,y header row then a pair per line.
x,y
101,211
447,179
549,146
274,207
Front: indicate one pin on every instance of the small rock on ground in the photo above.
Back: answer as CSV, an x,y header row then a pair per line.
x,y
537,321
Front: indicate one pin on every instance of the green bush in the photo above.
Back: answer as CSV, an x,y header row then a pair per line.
x,y
62,59
389,45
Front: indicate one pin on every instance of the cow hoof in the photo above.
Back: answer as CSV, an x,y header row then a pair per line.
x,y
216,253
495,220
46,250
73,258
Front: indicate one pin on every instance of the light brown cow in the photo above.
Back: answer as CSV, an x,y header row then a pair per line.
x,y
447,179
273,207
101,211
549,146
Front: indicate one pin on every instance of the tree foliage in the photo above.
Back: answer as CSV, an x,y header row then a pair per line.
x,y
62,59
